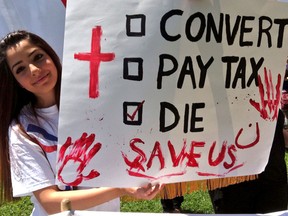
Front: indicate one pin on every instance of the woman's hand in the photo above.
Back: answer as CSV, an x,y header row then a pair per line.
x,y
147,192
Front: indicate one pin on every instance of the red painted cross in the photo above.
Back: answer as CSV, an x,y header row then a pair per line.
x,y
64,2
95,57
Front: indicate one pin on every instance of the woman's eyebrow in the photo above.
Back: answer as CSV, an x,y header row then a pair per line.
x,y
21,60
15,65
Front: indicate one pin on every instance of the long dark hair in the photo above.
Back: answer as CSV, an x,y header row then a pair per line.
x,y
13,98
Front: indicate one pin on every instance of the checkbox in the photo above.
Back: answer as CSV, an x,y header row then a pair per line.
x,y
135,25
132,113
133,69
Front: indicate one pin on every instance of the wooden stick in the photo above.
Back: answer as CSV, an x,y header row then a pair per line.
x,y
66,206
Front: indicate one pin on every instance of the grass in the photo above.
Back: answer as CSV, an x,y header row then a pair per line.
x,y
22,207
196,203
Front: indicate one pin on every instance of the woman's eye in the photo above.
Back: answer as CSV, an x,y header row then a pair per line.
x,y
38,56
20,69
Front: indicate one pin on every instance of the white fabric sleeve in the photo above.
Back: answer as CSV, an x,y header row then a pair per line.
x,y
30,169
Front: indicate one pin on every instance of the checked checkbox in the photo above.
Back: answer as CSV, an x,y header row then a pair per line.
x,y
132,113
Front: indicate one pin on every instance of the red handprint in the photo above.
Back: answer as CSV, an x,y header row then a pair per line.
x,y
268,108
81,153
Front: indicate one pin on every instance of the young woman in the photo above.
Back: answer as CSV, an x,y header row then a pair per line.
x,y
30,78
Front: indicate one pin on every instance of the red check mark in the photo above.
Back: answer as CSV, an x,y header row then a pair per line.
x,y
136,110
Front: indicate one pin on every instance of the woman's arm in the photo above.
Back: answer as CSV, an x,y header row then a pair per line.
x,y
51,197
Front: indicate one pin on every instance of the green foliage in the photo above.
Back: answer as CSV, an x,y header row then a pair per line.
x,y
141,206
22,207
196,202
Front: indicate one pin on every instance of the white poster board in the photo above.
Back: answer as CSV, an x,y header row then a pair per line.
x,y
169,91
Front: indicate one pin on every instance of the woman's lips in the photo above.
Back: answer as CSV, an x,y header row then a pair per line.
x,y
43,78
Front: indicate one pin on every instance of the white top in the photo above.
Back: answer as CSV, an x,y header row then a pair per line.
x,y
30,169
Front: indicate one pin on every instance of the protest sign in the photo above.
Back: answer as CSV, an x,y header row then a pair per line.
x,y
169,91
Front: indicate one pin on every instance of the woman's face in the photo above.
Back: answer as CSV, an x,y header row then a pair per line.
x,y
34,70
